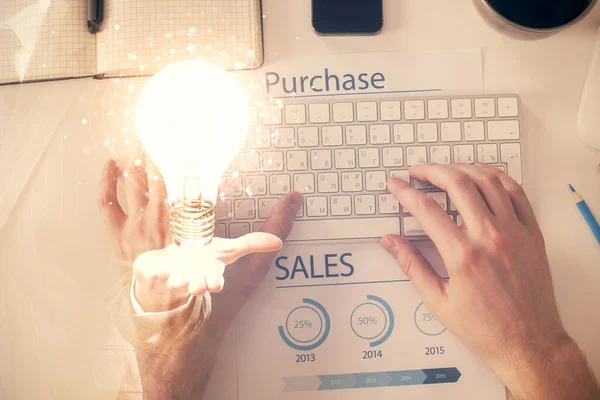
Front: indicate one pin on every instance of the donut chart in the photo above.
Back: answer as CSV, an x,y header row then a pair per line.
x,y
306,326
373,320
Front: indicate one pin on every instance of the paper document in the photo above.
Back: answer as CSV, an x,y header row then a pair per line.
x,y
340,320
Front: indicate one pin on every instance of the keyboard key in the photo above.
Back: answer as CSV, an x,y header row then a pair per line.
x,y
304,183
231,186
253,116
364,204
257,226
392,157
283,137
233,165
508,107
295,114
368,158
379,134
487,153
375,181
331,135
308,136
320,159
352,181
461,108
411,227
328,182
316,206
439,154
366,111
343,112
350,228
437,109
297,160
270,115
414,110
417,184
401,174
404,133
510,153
220,231
265,206
388,204
427,132
255,185
223,210
503,130
272,161
474,131
318,113
279,184
249,161
300,212
464,154
356,135
416,155
441,198
244,209
390,111
459,220
345,159
260,138
238,229
341,205
450,131
485,108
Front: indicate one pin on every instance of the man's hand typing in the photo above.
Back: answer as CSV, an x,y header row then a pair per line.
x,y
499,299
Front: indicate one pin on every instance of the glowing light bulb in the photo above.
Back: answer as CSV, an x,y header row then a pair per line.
x,y
191,119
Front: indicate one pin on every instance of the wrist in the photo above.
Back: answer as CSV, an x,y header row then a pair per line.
x,y
558,371
157,298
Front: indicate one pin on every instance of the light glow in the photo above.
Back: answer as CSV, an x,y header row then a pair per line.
x,y
192,113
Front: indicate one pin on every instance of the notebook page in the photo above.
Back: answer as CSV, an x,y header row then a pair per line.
x,y
45,39
141,36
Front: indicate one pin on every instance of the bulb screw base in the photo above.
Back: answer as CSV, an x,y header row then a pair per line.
x,y
192,221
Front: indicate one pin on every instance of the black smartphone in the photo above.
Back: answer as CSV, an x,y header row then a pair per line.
x,y
347,17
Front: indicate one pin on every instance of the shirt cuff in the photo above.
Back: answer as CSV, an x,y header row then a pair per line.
x,y
157,316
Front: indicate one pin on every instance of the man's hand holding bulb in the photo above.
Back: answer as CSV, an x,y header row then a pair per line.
x,y
169,281
177,272
165,275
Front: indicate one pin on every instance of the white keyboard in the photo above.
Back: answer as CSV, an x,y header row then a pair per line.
x,y
339,153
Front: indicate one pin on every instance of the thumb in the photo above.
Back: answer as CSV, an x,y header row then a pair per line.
x,y
280,222
242,282
281,217
426,281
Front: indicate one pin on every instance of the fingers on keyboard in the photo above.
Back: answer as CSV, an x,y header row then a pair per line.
x,y
340,153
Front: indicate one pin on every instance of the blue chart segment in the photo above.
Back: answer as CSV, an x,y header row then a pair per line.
x,y
373,320
306,327
372,379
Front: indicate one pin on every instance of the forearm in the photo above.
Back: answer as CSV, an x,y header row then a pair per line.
x,y
559,375
179,374
174,352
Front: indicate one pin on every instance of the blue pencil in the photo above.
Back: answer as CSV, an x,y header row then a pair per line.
x,y
587,214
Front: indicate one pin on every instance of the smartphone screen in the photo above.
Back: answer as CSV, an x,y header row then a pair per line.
x,y
330,17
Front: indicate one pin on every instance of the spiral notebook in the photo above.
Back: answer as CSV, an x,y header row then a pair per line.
x,y
48,39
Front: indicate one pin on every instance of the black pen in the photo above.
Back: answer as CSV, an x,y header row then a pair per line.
x,y
95,15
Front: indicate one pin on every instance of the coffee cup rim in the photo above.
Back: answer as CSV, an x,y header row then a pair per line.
x,y
540,30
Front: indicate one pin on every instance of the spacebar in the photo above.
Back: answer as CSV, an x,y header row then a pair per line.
x,y
354,228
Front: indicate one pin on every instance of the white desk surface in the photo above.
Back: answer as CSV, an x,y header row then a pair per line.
x,y
51,296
